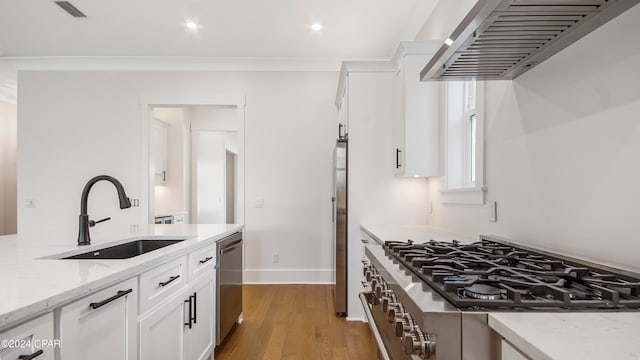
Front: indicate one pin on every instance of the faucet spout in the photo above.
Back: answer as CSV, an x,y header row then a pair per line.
x,y
83,232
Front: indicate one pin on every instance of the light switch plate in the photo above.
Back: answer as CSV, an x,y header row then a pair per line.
x,y
259,203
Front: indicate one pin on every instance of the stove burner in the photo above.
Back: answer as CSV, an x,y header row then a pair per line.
x,y
482,292
491,274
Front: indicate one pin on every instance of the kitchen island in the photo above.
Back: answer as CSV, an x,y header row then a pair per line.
x,y
32,285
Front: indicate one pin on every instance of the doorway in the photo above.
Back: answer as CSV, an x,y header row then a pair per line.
x,y
181,173
213,170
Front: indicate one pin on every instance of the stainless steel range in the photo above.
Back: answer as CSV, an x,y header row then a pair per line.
x,y
431,300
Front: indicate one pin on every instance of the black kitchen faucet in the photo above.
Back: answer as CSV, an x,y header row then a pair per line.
x,y
85,223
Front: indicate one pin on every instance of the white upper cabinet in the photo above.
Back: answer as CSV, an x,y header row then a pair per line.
x,y
159,151
416,109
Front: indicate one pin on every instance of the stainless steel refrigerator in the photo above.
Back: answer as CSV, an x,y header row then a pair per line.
x,y
339,201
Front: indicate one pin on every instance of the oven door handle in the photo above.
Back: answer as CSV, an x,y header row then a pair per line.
x,y
376,334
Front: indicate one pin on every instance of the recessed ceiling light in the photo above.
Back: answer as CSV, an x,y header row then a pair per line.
x,y
192,25
316,27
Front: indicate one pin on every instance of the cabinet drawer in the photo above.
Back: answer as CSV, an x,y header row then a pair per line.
x,y
32,338
202,260
161,282
102,325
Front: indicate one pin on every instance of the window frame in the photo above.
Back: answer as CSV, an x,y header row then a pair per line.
x,y
467,192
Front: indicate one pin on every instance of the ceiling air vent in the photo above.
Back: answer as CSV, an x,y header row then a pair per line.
x,y
502,39
72,10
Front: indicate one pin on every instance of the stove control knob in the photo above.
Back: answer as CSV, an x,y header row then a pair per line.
x,y
413,342
388,300
404,324
375,280
395,309
380,289
384,293
369,273
366,269
428,346
419,343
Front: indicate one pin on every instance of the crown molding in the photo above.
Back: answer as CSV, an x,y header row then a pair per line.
x,y
168,63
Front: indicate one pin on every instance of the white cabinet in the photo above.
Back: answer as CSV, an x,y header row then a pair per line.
x,y
33,340
102,325
159,152
162,330
159,283
416,112
179,322
201,334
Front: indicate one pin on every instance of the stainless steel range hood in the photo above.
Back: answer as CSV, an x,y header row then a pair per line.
x,y
502,39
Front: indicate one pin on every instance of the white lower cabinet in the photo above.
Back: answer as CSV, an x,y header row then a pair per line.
x,y
182,326
200,336
102,325
162,330
32,340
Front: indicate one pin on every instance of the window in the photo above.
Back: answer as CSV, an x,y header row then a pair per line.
x,y
464,152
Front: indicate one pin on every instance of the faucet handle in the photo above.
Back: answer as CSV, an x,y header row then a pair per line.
x,y
93,223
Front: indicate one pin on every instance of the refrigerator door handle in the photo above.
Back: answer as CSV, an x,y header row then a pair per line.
x,y
333,209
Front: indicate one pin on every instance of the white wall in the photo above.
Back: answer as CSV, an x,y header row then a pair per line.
x,y
210,174
8,136
444,18
74,125
170,196
562,152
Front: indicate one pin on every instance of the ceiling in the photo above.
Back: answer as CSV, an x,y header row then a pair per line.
x,y
257,29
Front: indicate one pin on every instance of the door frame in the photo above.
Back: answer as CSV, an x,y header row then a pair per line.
x,y
147,102
235,176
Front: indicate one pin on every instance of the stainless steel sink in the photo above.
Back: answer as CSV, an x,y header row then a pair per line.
x,y
125,250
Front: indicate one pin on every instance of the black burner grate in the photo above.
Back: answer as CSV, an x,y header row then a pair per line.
x,y
490,274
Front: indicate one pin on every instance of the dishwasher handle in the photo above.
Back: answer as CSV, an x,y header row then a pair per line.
x,y
230,247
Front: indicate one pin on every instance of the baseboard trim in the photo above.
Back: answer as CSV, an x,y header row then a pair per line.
x,y
354,318
289,276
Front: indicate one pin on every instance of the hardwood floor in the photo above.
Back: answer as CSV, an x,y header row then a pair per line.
x,y
295,322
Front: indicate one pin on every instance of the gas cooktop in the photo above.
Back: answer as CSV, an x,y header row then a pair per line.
x,y
494,274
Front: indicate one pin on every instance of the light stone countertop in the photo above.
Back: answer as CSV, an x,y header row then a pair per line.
x,y
32,286
571,336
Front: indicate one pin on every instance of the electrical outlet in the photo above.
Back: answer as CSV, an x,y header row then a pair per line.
x,y
493,211
30,203
276,258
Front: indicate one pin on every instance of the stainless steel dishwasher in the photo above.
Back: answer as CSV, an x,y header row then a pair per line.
x,y
229,283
